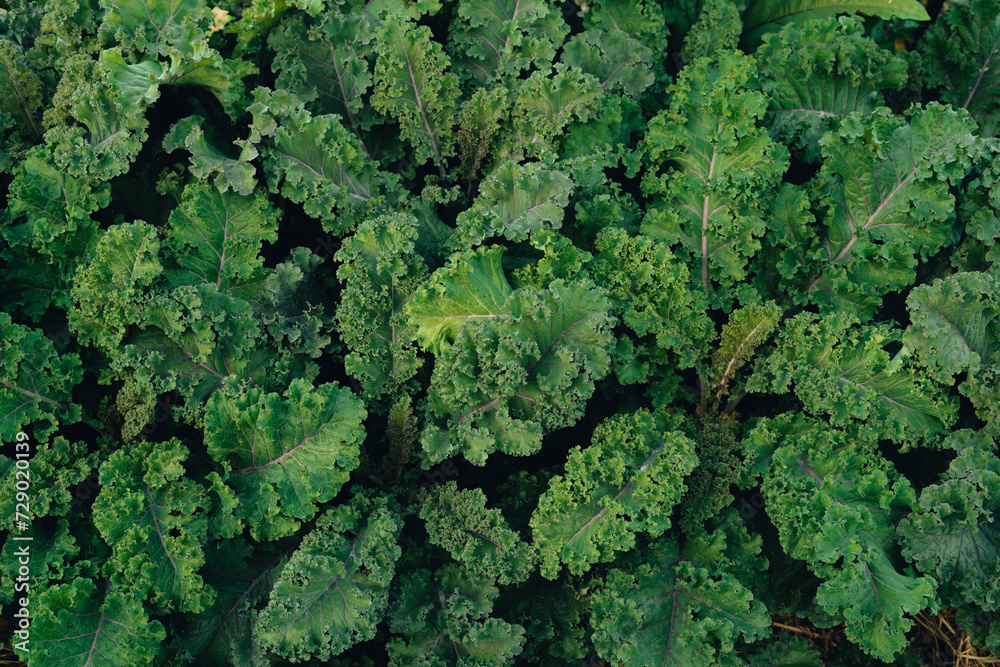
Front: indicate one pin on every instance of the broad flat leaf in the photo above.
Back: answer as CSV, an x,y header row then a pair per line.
x,y
335,588
286,453
514,200
216,238
77,625
763,16
470,287
628,481
154,519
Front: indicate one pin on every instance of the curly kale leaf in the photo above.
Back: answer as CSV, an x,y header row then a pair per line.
x,y
155,522
316,161
502,38
380,270
650,292
885,185
507,381
627,482
836,503
286,453
413,86
334,589
514,200
156,27
955,534
817,73
477,537
209,158
444,620
844,371
953,324
223,632
20,94
470,287
680,605
961,53
108,289
216,238
76,624
709,167
56,468
35,382
763,16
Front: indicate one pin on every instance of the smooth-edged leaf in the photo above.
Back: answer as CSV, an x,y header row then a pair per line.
x,y
763,16
154,520
286,453
78,625
470,287
334,589
627,482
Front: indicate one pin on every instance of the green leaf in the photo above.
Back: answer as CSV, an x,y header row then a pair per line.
x,y
845,371
710,166
287,453
765,16
207,158
108,289
380,271
477,537
627,482
961,53
886,184
335,588
154,520
76,625
678,606
35,382
156,27
514,200
216,238
469,288
818,73
413,86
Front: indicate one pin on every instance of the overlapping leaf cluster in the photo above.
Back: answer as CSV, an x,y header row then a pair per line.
x,y
460,333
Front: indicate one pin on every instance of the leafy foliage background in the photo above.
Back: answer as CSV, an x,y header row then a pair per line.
x,y
460,333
